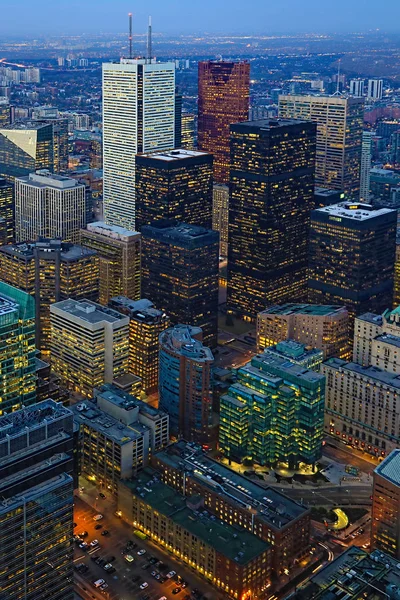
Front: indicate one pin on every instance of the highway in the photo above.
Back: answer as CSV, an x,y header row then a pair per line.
x,y
330,495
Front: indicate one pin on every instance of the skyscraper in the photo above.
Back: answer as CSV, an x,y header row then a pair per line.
x,y
185,383
375,89
357,87
271,196
50,271
7,229
339,136
50,206
5,112
180,274
220,216
385,523
138,116
60,141
188,131
89,344
17,349
178,118
24,148
224,91
119,252
174,185
366,158
352,256
36,512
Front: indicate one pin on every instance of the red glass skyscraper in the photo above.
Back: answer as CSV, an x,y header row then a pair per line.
x,y
224,89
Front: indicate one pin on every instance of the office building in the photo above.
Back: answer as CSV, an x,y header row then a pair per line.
x,y
325,197
60,140
352,255
366,158
5,112
224,91
354,574
396,286
117,434
188,128
375,89
174,185
138,117
230,558
7,227
234,499
297,353
339,137
17,349
89,344
220,216
178,119
180,274
368,327
146,323
382,182
357,87
185,383
273,413
49,206
119,252
24,148
354,412
50,271
271,196
325,327
36,512
385,522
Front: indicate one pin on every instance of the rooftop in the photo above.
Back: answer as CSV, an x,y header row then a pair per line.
x,y
180,340
356,211
45,179
234,542
47,411
389,338
371,318
315,310
390,467
112,231
282,367
24,125
174,155
124,400
69,252
371,372
189,236
268,124
140,310
271,506
35,494
88,311
292,350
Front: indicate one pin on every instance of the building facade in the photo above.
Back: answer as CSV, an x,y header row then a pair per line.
x,y
366,159
180,274
188,128
367,328
339,137
271,196
175,185
385,522
224,98
7,221
119,252
89,344
138,116
185,383
24,148
220,216
375,89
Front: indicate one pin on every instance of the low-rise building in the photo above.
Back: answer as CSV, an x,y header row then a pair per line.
x,y
367,328
297,353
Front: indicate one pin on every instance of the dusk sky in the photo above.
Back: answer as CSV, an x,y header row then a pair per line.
x,y
186,16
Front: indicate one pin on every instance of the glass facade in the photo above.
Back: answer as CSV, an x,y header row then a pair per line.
x,y
25,148
271,197
7,225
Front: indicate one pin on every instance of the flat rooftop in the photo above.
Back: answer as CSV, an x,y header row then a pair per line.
x,y
269,505
189,236
370,372
174,155
89,311
390,467
179,339
232,541
35,494
69,252
126,401
140,310
281,366
315,310
269,124
356,211
371,318
112,231
11,425
388,338
24,125
292,350
45,179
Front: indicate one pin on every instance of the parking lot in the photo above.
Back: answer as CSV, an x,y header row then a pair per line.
x,y
124,583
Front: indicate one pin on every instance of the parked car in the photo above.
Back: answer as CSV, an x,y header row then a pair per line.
x,y
97,517
102,495
144,585
94,543
141,552
129,558
176,590
83,534
98,526
105,532
171,574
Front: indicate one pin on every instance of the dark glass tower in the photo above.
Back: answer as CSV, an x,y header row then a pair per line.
x,y
271,198
175,185
352,256
180,274
24,148
7,227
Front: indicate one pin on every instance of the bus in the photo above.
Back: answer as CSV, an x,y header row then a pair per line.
x,y
140,534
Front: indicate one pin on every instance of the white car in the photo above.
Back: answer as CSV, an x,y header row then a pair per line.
x,y
129,558
141,552
97,517
94,543
98,583
171,574
104,586
144,585
107,567
84,545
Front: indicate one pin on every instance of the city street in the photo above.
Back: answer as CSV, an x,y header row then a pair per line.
x,y
329,495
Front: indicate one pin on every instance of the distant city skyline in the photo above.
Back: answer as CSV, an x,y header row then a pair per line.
x,y
45,16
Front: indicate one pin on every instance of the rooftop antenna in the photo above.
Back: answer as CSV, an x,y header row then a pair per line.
x,y
149,42
337,93
130,35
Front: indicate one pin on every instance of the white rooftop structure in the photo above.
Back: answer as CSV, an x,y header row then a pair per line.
x,y
354,210
178,154
111,231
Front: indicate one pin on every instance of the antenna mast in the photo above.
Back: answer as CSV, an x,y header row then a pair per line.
x,y
149,42
337,93
130,35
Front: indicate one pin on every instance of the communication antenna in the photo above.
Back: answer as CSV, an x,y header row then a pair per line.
x,y
149,42
337,93
130,35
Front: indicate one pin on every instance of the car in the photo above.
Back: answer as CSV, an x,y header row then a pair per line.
x,y
100,561
145,566
130,544
84,546
141,552
129,558
81,568
144,585
97,517
102,495
83,534
104,586
77,539
158,577
171,574
111,559
105,532
75,524
163,598
118,514
176,590
136,578
107,566
98,583
162,579
152,560
183,584
98,526
95,557
153,573
94,543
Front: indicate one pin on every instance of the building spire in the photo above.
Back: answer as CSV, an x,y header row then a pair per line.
x,y
130,35
149,42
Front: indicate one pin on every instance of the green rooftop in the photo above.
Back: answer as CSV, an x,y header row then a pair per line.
x,y
318,310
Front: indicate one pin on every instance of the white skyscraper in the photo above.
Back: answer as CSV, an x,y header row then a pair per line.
x,y
357,87
50,206
366,152
375,89
138,116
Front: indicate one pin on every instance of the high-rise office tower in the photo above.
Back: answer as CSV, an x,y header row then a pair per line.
x,y
60,142
17,349
385,523
89,344
119,252
224,92
178,118
357,87
176,185
396,285
366,159
50,271
7,229
375,89
24,148
146,323
271,197
339,136
352,256
220,216
188,131
138,116
36,512
5,112
185,383
50,206
180,274
274,412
